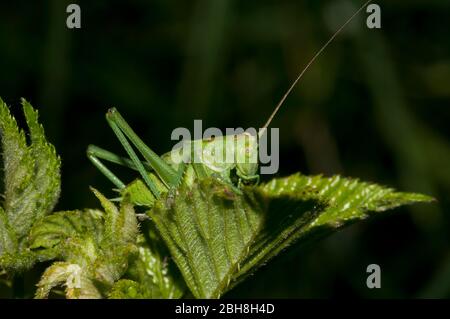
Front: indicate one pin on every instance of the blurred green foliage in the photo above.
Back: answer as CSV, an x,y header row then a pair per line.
x,y
374,106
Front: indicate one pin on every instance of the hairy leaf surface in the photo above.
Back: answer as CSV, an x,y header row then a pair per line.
x,y
217,236
31,184
94,248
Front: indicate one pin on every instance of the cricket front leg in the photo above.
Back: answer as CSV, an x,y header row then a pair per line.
x,y
137,190
96,154
106,155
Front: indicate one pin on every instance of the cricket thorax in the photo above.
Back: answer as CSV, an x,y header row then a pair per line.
x,y
219,154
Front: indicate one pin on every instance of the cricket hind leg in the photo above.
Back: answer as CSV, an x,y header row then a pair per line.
x,y
125,134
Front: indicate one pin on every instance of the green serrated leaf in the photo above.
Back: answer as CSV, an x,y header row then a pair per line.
x,y
98,245
341,201
7,244
217,237
208,228
19,189
127,289
72,277
48,237
120,224
154,269
31,184
47,164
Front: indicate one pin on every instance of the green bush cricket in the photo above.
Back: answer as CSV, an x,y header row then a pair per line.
x,y
170,169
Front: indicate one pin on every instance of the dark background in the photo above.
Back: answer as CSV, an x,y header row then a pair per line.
x,y
374,106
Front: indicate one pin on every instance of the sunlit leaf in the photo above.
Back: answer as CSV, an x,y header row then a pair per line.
x,y
217,236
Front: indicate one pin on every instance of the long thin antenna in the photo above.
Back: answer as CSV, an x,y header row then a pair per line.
x,y
261,133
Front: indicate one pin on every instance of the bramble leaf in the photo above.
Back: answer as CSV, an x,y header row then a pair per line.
x,y
154,269
49,237
217,237
31,185
342,201
127,289
95,248
72,276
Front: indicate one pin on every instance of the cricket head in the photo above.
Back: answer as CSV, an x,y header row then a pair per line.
x,y
246,152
